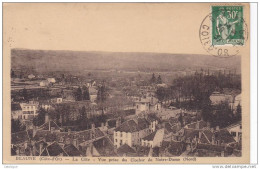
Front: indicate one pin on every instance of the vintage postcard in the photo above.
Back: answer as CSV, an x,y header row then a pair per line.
x,y
126,83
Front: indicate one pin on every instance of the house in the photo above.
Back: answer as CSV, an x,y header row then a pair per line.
x,y
142,105
29,110
16,111
91,83
154,139
131,132
44,83
236,131
31,76
153,121
51,80
217,98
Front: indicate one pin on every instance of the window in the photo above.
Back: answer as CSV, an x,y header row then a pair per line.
x,y
121,134
121,142
116,140
116,134
234,134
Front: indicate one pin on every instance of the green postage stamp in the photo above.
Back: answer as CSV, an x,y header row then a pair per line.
x,y
227,25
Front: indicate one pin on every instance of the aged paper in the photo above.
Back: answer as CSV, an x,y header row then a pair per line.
x,y
126,83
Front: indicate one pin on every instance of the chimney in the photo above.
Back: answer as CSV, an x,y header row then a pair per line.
x,y
41,146
103,142
197,125
75,142
222,154
93,126
118,122
46,118
208,125
217,128
33,148
213,139
200,134
35,128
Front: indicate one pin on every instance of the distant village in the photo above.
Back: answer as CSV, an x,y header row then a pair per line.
x,y
61,114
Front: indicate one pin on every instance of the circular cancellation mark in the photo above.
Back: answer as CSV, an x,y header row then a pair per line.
x,y
218,45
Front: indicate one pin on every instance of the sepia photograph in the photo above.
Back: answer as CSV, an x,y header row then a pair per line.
x,y
126,81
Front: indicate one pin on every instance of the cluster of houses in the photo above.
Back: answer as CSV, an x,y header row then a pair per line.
x,y
148,134
153,131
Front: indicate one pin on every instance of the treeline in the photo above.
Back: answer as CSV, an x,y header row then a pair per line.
x,y
63,116
196,89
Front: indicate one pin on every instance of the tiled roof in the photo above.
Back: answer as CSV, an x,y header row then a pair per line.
x,y
133,126
125,149
201,124
105,147
150,137
176,148
191,133
72,151
51,124
225,136
211,147
54,150
19,137
152,117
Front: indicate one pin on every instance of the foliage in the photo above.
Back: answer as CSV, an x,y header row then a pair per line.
x,y
40,119
17,126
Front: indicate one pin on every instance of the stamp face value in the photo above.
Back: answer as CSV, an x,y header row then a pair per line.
x,y
227,25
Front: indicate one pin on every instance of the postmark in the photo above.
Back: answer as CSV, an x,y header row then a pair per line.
x,y
224,31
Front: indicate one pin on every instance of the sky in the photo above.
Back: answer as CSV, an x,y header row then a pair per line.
x,y
121,27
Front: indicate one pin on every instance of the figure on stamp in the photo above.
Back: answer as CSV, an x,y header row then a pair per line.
x,y
224,27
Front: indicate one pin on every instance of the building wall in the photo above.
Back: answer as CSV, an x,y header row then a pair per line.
x,y
236,132
121,138
130,139
140,107
153,125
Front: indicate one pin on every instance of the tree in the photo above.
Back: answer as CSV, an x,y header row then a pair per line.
x,y
161,93
78,94
86,95
25,95
180,119
153,79
40,119
17,126
102,96
238,112
159,80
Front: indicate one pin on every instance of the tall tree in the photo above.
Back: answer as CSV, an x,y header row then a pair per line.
x,y
40,119
78,94
153,79
159,80
102,96
86,95
238,112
